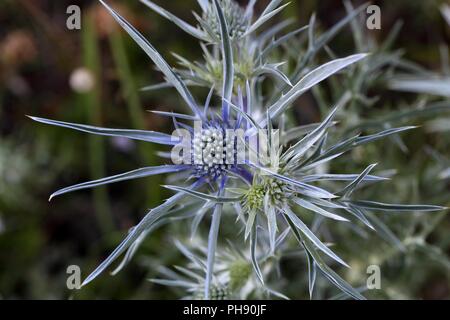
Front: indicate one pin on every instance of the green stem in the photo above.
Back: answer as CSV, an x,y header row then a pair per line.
x,y
130,93
1,101
91,57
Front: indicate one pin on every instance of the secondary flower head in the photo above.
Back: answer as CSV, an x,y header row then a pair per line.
x,y
265,189
233,277
251,52
237,20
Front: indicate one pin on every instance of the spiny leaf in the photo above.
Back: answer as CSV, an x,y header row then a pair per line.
x,y
253,242
266,15
301,147
149,136
272,69
339,177
151,217
171,76
212,244
275,44
271,223
203,196
352,186
244,114
309,206
327,271
227,54
356,141
311,79
174,115
135,174
310,235
180,23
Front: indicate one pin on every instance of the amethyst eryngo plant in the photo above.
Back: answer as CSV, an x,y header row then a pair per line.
x,y
266,198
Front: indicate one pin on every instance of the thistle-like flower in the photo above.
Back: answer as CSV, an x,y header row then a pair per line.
x,y
238,20
250,52
212,138
233,274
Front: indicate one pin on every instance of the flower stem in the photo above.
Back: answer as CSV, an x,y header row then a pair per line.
x,y
91,57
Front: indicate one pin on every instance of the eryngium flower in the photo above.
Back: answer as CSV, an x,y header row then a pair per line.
x,y
284,188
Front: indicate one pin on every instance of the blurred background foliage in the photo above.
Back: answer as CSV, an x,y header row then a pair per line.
x,y
93,76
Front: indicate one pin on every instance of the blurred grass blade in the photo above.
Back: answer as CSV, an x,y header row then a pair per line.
x,y
92,103
385,232
130,93
440,87
378,206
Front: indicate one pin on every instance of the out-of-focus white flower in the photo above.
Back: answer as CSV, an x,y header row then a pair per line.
x,y
82,80
445,9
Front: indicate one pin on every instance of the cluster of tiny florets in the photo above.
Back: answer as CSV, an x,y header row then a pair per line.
x,y
234,15
216,292
277,192
254,198
214,152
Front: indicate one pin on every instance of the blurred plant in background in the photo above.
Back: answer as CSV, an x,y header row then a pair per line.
x,y
415,244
